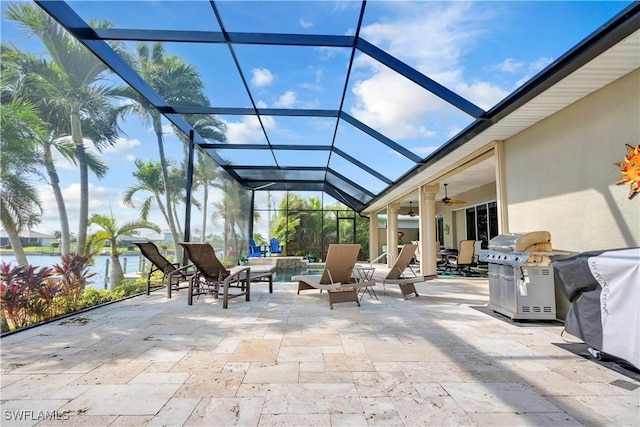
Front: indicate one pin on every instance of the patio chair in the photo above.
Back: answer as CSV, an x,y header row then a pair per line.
x,y
275,247
337,276
255,251
463,262
172,273
396,275
213,277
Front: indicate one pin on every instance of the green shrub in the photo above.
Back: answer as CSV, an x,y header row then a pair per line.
x,y
92,296
131,287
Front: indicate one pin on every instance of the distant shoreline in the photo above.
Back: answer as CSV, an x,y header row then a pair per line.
x,y
5,252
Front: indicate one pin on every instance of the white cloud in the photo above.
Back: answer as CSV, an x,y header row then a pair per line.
x,y
261,77
509,65
540,63
534,68
305,24
484,94
433,40
248,130
424,151
102,200
99,199
123,145
167,129
287,99
397,111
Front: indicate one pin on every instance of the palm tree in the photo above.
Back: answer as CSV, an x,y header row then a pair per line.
x,y
149,177
177,83
78,92
205,175
26,76
111,232
19,206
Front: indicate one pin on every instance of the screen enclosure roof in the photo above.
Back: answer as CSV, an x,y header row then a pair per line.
x,y
351,98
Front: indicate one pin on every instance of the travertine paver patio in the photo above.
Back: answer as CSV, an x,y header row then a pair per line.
x,y
287,359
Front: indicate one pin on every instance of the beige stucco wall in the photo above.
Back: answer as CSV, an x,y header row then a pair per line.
x,y
560,173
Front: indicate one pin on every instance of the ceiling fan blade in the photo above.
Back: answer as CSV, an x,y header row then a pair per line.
x,y
447,201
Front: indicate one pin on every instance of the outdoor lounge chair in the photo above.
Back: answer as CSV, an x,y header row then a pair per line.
x,y
173,275
275,247
337,276
213,277
396,275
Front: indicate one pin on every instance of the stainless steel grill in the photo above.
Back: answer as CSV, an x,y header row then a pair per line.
x,y
521,283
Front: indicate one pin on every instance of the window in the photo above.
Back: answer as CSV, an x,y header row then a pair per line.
x,y
482,222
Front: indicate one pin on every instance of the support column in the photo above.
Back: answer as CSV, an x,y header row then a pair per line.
x,y
501,188
427,223
392,233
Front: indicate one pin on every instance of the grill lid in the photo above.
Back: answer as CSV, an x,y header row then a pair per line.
x,y
522,242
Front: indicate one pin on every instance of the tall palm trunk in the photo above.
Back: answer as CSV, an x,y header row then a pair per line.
x,y
176,218
54,181
16,244
81,155
157,127
117,274
204,211
162,208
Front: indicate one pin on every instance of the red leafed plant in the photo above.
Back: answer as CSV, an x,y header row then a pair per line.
x,y
73,273
31,294
26,293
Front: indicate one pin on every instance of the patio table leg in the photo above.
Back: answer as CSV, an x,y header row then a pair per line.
x,y
190,293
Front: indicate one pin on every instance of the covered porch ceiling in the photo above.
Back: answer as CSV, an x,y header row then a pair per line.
x,y
325,142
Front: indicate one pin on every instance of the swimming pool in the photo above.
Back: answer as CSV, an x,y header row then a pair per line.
x,y
284,274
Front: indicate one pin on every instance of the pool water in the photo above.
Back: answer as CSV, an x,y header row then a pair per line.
x,y
284,274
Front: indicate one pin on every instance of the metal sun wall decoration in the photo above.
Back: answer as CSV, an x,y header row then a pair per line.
x,y
630,170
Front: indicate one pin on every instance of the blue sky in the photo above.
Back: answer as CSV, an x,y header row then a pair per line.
x,y
481,50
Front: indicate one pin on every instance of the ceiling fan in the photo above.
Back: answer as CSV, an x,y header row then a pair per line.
x,y
447,200
411,212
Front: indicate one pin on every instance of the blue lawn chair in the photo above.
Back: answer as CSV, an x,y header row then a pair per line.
x,y
275,247
255,251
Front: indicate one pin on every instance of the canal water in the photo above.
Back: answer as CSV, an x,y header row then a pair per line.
x,y
130,264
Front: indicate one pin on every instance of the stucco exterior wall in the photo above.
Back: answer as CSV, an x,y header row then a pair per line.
x,y
560,173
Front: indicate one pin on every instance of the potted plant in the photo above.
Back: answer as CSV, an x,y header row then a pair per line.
x,y
242,260
311,257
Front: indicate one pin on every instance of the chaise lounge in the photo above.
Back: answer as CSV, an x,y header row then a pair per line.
x,y
337,276
212,277
172,274
397,274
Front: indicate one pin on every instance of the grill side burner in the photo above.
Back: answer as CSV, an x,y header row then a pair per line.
x,y
521,281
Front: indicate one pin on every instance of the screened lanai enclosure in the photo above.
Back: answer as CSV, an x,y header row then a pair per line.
x,y
223,121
